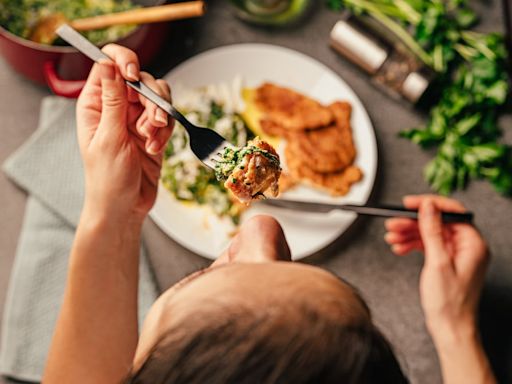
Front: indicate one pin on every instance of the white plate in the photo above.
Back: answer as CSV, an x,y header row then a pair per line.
x,y
202,232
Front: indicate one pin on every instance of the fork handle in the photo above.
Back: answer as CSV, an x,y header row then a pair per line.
x,y
75,39
151,95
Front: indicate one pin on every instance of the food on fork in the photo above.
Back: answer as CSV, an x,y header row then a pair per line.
x,y
250,171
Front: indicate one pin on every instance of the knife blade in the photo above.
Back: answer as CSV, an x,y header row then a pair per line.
x,y
380,211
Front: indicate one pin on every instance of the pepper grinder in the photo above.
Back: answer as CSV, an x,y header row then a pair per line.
x,y
393,70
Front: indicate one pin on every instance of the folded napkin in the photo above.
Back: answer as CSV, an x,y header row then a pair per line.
x,y
49,168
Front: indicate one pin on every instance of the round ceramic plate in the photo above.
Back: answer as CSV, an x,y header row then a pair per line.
x,y
197,228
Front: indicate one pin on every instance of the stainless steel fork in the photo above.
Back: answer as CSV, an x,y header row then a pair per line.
x,y
205,143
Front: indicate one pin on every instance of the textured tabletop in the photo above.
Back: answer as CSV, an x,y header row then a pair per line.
x,y
388,283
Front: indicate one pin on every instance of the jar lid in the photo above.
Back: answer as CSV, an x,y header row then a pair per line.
x,y
358,46
414,85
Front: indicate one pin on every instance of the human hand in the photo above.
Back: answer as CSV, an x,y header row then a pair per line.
x,y
121,136
453,273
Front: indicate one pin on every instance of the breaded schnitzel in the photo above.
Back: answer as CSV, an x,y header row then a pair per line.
x,y
337,183
290,110
326,149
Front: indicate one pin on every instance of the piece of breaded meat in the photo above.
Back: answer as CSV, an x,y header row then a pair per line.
x,y
250,171
328,149
337,183
290,110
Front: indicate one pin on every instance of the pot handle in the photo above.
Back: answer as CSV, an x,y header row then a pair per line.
x,y
61,87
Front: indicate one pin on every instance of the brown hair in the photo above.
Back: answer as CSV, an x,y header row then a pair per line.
x,y
293,343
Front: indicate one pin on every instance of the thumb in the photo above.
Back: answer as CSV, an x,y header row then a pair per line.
x,y
114,102
431,231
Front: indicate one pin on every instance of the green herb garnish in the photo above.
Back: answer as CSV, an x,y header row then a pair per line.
x,y
216,113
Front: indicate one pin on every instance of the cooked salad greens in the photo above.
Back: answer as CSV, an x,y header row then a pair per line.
x,y
472,68
20,16
187,178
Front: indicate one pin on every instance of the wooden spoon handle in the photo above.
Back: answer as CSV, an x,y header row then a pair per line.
x,y
142,16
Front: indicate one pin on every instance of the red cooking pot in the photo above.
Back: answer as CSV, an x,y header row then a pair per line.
x,y
64,69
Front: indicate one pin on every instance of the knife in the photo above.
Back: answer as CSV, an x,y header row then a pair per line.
x,y
381,211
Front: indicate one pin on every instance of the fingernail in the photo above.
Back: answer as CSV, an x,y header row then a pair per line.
x,y
107,69
161,116
153,147
132,72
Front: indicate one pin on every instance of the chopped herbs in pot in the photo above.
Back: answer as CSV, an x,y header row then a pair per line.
x,y
21,16
472,69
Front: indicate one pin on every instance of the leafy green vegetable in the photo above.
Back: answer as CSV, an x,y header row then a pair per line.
x,y
186,178
202,189
472,70
216,113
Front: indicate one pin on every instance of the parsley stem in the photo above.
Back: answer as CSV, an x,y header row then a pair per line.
x,y
374,11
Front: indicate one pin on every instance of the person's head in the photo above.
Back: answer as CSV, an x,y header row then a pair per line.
x,y
252,317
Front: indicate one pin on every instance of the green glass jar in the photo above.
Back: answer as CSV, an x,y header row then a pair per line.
x,y
271,12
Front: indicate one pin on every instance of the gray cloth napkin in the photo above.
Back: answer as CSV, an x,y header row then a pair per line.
x,y
49,168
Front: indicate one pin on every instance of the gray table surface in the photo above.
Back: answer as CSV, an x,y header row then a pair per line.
x,y
388,283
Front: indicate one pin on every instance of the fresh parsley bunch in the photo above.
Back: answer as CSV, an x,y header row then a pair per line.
x,y
472,70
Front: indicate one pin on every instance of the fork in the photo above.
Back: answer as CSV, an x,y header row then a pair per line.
x,y
205,143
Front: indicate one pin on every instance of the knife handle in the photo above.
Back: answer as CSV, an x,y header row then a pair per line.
x,y
398,211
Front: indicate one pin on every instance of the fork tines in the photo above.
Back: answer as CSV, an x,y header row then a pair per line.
x,y
216,155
